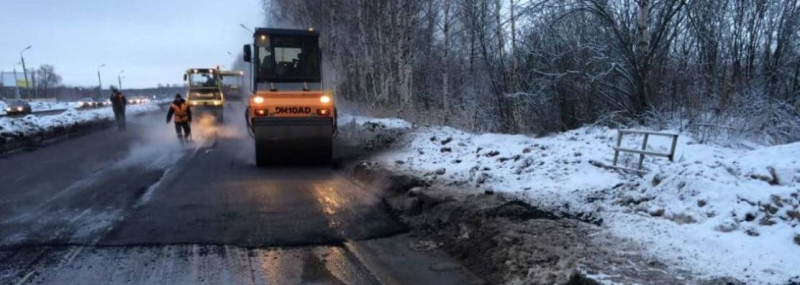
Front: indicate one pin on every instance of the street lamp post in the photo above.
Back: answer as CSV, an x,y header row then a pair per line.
x,y
16,80
245,27
241,78
249,66
99,81
119,79
25,70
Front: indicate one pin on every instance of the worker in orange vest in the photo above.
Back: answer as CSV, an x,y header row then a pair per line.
x,y
183,116
118,103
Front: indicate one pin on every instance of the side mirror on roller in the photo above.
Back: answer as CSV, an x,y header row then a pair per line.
x,y
248,54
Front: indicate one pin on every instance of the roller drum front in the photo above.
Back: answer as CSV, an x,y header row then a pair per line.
x,y
282,140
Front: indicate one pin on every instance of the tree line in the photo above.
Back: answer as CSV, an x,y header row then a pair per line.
x,y
45,82
41,82
538,66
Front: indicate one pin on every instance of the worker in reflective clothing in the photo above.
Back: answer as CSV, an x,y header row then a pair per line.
x,y
118,103
183,116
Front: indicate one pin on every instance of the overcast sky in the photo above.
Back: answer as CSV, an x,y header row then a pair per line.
x,y
154,41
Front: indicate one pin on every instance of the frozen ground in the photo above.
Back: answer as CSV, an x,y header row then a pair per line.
x,y
31,124
715,211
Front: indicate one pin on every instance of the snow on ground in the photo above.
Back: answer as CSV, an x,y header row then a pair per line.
x,y
716,211
30,124
344,119
47,106
41,106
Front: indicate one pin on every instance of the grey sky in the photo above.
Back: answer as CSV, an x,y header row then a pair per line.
x,y
154,41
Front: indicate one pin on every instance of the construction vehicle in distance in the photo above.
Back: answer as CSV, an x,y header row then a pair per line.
x,y
204,92
289,114
233,84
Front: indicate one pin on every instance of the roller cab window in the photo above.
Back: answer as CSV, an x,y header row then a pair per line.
x,y
287,58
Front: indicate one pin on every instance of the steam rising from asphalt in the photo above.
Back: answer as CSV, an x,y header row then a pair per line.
x,y
157,145
208,128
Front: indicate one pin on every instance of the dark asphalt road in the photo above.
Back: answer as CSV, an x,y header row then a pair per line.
x,y
137,208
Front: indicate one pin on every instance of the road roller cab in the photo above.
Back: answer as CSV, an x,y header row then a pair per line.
x,y
232,85
290,114
204,93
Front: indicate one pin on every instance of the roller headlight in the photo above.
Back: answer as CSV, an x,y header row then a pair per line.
x,y
258,100
325,99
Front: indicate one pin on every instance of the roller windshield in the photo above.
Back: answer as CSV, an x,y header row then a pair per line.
x,y
203,79
287,58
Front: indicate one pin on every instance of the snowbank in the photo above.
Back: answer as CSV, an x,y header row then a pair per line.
x,y
40,106
47,106
32,124
345,119
716,211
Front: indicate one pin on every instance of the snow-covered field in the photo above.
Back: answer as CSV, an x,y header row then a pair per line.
x,y
30,124
715,211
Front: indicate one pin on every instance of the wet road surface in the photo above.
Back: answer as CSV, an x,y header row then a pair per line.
x,y
137,208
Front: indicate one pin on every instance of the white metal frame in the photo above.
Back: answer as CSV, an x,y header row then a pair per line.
x,y
643,151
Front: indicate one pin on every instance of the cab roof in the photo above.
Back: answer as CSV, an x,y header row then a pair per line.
x,y
286,32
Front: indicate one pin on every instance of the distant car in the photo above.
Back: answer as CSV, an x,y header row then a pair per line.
x,y
87,103
138,100
105,103
18,107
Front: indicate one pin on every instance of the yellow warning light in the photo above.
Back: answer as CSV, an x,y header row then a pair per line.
x,y
325,99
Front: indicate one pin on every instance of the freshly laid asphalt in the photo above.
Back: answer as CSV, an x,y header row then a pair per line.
x,y
136,207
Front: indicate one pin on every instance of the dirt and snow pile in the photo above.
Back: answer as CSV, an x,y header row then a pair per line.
x,y
32,124
734,191
713,203
359,136
739,206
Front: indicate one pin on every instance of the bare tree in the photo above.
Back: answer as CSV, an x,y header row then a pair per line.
x,y
553,65
47,80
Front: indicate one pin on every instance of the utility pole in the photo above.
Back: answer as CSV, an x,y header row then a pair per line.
x,y
99,82
33,82
250,65
119,79
24,70
16,81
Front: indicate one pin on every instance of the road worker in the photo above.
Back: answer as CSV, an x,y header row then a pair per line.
x,y
183,117
118,103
